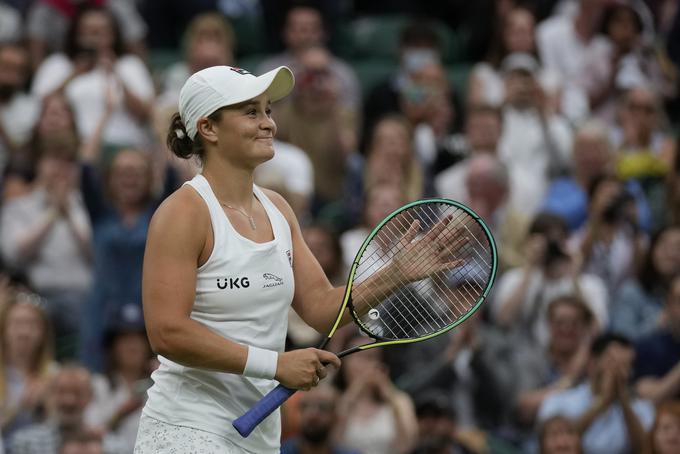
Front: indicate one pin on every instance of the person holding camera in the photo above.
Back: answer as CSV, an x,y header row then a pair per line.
x,y
611,242
523,294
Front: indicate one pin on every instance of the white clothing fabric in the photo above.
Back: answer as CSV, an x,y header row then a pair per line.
x,y
243,293
523,148
60,264
350,243
157,437
494,88
10,29
87,95
106,402
374,435
539,294
17,118
607,434
450,182
291,166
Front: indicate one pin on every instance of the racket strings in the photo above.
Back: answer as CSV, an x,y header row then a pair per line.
x,y
425,306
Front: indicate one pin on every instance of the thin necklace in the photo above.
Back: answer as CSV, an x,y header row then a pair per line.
x,y
239,210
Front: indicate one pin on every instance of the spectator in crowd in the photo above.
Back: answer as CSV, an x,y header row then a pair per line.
x,y
318,419
664,437
645,151
516,34
120,203
290,173
47,235
381,200
522,294
637,309
610,243
391,158
488,192
18,110
541,372
559,435
93,68
374,416
54,132
592,158
673,191
469,366
119,393
483,128
209,41
657,365
425,100
437,427
603,409
27,359
566,42
85,442
536,143
627,58
48,23
315,120
419,45
304,29
69,394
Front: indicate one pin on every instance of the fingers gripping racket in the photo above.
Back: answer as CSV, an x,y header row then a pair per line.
x,y
423,270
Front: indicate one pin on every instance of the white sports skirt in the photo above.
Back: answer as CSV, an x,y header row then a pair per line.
x,y
157,437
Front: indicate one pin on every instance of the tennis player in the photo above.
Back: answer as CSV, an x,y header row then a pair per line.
x,y
224,261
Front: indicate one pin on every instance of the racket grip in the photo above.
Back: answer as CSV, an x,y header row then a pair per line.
x,y
246,423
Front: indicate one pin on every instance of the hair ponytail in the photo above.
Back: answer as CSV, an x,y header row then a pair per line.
x,y
178,139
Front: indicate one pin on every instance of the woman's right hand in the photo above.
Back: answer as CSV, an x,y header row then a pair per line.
x,y
303,369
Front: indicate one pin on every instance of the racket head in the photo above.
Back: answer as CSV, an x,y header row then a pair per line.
x,y
428,307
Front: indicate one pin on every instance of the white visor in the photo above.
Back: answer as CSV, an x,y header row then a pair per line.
x,y
218,86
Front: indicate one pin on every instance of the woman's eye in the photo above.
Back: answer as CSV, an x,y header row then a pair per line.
x,y
252,112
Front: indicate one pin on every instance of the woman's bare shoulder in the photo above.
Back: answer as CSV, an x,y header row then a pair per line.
x,y
183,213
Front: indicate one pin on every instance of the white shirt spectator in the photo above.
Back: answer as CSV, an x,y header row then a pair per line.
x,y
87,96
17,119
523,148
607,434
291,166
540,292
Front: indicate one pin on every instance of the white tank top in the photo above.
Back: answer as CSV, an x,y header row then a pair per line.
x,y
243,293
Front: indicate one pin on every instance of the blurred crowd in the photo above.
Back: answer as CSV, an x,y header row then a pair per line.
x,y
555,120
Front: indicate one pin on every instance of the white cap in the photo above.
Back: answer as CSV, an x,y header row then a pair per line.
x,y
213,88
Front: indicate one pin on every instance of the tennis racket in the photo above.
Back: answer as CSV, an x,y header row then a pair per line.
x,y
426,268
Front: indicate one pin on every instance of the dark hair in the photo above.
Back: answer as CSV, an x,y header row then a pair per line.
x,y
573,301
603,341
183,147
545,222
648,276
420,33
72,48
613,10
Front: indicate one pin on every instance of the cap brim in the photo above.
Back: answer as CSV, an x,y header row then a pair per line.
x,y
277,83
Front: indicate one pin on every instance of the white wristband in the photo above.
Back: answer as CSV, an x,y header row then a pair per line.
x,y
261,363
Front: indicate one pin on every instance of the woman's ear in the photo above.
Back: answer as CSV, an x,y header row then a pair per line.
x,y
207,131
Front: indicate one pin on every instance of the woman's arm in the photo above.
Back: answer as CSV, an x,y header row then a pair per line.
x,y
180,234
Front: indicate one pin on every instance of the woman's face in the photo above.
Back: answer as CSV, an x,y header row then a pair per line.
x,y
623,29
24,330
666,253
560,438
131,351
245,132
667,434
519,31
130,178
381,201
95,31
56,116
